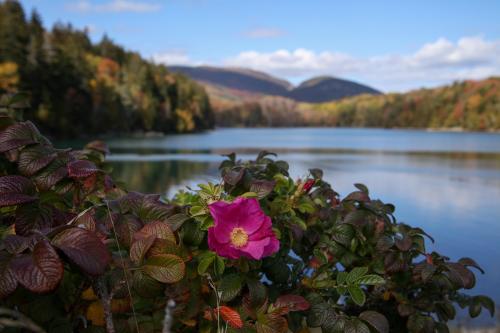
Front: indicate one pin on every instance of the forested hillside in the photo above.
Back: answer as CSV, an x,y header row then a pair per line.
x,y
79,88
467,105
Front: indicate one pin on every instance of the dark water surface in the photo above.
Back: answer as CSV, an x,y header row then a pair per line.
x,y
446,183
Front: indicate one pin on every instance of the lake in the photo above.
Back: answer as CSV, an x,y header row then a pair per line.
x,y
447,183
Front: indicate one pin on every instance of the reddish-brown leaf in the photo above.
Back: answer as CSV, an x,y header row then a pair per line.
x,y
8,282
15,136
84,248
15,190
81,169
41,271
140,248
292,302
159,229
33,159
232,317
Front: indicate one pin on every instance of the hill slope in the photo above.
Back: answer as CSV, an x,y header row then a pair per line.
x,y
324,89
245,81
235,78
467,105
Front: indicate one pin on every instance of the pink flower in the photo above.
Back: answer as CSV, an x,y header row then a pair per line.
x,y
241,229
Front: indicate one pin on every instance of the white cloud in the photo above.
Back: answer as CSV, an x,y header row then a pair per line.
x,y
261,33
114,6
175,57
439,62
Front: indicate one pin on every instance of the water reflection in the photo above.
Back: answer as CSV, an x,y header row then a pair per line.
x,y
159,176
452,190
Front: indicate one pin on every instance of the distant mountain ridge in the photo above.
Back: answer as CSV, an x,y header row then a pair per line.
x,y
315,90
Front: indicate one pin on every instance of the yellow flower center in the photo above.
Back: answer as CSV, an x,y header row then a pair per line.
x,y
239,237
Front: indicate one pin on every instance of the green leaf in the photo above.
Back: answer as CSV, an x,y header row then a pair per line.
x,y
370,279
356,274
357,294
166,268
219,266
205,260
487,303
230,287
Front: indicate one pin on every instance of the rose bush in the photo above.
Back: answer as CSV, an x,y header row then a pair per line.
x,y
258,252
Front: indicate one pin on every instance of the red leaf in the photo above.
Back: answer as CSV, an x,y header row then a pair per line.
x,y
232,317
16,244
84,248
8,282
140,248
33,159
15,136
158,229
15,190
292,302
81,169
40,271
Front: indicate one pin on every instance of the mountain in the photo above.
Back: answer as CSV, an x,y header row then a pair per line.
x,y
236,78
324,89
244,81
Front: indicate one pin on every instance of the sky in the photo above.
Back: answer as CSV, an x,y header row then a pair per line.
x,y
391,45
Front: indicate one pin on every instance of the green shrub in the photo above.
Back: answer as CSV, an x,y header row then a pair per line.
x,y
79,254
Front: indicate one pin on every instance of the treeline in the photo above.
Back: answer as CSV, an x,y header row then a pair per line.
x,y
468,105
78,88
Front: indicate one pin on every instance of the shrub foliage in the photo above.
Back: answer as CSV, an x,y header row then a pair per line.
x,y
80,254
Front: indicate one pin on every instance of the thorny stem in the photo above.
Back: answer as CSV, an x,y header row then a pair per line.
x,y
17,320
217,297
105,296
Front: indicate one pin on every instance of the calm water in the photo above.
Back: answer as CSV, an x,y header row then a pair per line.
x,y
447,183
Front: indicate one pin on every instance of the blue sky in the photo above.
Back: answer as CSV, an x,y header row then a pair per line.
x,y
391,45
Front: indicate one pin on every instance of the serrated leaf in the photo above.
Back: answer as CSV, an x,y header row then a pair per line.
x,y
33,159
318,314
232,317
32,217
370,279
15,190
15,136
355,274
159,229
176,221
292,302
84,249
378,321
81,169
230,287
271,323
140,247
8,282
219,266
205,261
166,268
343,234
53,173
357,294
262,187
41,271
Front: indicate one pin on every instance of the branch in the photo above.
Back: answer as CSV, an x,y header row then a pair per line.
x,y
167,321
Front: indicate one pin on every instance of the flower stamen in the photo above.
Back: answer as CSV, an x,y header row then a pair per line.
x,y
239,237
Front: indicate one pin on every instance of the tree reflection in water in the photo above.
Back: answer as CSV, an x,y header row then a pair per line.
x,y
160,176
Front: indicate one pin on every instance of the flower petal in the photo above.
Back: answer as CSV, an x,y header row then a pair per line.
x,y
251,216
255,249
272,247
265,230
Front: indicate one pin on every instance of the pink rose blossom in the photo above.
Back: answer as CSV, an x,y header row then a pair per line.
x,y
241,229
